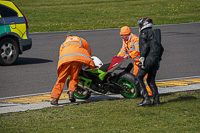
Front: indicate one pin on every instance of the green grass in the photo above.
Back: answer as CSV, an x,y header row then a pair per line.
x,y
65,15
178,112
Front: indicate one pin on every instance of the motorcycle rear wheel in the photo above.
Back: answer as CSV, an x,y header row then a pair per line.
x,y
129,82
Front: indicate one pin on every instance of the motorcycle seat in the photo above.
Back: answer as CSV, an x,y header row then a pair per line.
x,y
104,67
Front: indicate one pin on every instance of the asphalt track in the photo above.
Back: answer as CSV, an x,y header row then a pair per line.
x,y
35,71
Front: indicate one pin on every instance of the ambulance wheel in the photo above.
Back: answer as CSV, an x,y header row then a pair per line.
x,y
9,51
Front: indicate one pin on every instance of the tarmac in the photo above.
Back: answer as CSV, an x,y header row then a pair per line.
x,y
40,101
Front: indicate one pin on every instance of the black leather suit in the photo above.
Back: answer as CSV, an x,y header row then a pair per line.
x,y
151,50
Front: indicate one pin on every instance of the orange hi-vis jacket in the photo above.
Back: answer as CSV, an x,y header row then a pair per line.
x,y
75,49
131,47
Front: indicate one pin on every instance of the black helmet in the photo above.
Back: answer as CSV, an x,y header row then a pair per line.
x,y
145,23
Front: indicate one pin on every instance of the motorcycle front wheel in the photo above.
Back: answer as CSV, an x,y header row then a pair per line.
x,y
129,82
79,93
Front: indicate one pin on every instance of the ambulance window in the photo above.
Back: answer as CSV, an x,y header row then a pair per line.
x,y
7,12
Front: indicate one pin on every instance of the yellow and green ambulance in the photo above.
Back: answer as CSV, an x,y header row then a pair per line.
x,y
14,38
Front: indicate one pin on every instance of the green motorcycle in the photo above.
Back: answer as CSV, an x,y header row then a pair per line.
x,y
103,80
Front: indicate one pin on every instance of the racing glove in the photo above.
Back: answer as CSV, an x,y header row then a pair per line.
x,y
141,64
127,56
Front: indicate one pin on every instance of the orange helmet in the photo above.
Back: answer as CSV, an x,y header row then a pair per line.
x,y
125,30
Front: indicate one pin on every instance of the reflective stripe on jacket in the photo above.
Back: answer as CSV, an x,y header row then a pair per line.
x,y
75,49
131,47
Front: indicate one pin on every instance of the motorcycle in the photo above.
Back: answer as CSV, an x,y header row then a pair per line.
x,y
104,80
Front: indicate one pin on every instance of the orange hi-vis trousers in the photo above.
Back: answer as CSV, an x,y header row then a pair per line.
x,y
136,68
72,69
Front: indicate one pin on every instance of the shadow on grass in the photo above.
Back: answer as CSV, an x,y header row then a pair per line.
x,y
92,99
101,98
166,94
178,99
183,98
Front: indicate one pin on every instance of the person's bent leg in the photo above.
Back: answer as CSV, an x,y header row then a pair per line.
x,y
58,87
73,81
135,71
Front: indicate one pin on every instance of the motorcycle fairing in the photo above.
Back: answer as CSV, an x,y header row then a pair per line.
x,y
101,74
84,82
116,61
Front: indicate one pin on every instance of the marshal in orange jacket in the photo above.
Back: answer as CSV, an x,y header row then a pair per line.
x,y
131,47
74,52
75,49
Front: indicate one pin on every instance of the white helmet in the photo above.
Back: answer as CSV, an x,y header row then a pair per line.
x,y
97,62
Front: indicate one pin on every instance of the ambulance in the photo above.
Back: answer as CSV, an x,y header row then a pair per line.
x,y
14,38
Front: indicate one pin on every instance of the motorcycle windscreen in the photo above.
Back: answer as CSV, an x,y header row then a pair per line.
x,y
115,63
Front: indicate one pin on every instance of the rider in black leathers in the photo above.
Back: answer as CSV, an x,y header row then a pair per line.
x,y
151,51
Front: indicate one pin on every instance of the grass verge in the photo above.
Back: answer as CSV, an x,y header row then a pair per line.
x,y
66,15
178,112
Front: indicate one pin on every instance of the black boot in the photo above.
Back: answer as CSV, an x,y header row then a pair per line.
x,y
54,101
146,100
71,96
156,99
